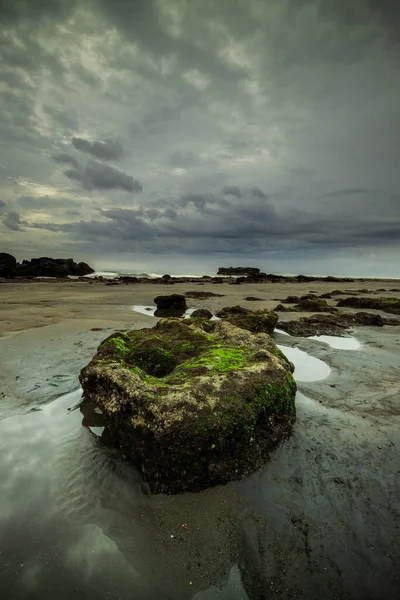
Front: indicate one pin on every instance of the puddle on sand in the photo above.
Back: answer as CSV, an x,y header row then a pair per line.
x,y
307,367
153,311
339,343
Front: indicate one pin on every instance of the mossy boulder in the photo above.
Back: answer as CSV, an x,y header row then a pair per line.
x,y
256,321
312,303
190,407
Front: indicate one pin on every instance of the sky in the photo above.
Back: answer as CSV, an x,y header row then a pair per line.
x,y
183,135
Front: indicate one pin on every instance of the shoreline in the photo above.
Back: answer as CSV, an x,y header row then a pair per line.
x,y
322,516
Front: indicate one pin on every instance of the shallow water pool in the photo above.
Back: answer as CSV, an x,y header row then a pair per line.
x,y
307,367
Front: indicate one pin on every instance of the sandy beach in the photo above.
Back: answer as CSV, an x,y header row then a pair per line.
x,y
321,518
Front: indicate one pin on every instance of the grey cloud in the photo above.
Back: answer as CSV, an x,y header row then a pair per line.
x,y
255,224
86,76
107,150
3,206
97,175
347,192
68,119
183,159
67,159
153,213
14,10
300,99
12,220
232,190
44,202
170,213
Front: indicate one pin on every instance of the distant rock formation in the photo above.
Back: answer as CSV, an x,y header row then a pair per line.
x,y
42,267
238,271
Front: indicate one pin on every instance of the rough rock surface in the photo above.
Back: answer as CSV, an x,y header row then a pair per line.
x,y
202,313
257,321
333,324
389,305
192,408
176,301
311,303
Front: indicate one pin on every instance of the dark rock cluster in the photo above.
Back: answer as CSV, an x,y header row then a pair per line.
x,y
41,267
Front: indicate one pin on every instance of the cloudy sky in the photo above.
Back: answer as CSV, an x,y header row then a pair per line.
x,y
182,135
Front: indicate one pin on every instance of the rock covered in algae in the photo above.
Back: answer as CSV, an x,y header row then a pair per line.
x,y
257,321
192,404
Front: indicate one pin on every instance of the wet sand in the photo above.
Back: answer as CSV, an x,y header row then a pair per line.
x,y
322,518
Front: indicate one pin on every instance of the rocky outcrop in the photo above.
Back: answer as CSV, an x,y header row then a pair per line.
x,y
173,301
192,408
8,264
201,313
388,305
43,267
200,295
333,324
253,320
238,271
312,303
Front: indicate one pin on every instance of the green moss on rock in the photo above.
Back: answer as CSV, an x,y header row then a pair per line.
x,y
192,408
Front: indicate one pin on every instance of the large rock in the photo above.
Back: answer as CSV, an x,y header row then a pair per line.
x,y
8,265
192,408
311,303
257,321
389,305
173,301
44,267
238,271
336,324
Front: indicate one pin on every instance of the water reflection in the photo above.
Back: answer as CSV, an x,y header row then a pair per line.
x,y
339,343
73,518
307,367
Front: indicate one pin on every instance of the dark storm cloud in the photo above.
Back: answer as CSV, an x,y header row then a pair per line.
x,y
107,150
3,206
97,175
288,108
254,224
67,159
